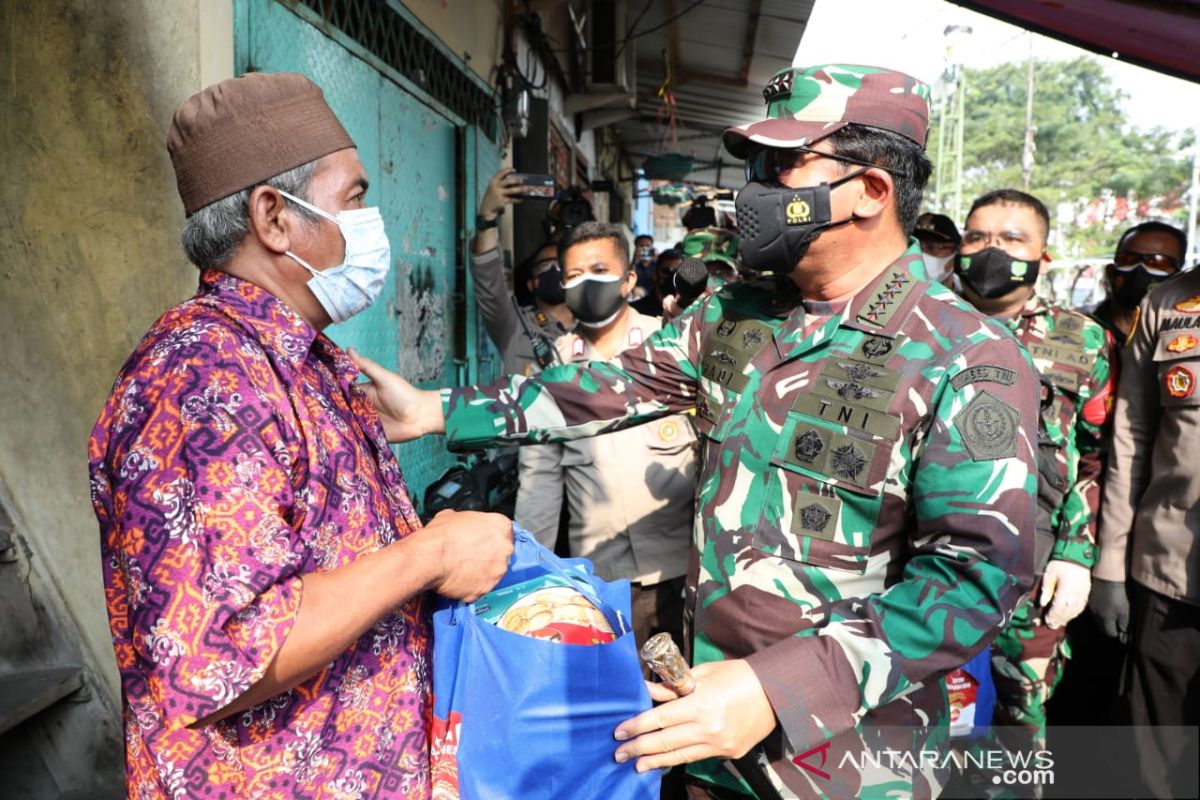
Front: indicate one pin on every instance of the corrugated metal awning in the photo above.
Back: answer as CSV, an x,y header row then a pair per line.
x,y
721,53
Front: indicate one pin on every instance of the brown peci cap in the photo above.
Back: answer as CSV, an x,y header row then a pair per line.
x,y
240,132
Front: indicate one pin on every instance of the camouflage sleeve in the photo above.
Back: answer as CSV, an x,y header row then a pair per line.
x,y
1076,536
973,475
580,400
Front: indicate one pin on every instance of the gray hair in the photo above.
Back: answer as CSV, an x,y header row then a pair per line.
x,y
212,235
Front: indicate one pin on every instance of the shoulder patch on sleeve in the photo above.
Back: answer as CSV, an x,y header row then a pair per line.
x,y
988,427
980,373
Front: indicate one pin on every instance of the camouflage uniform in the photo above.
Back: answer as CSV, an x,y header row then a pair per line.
x,y
834,549
1072,356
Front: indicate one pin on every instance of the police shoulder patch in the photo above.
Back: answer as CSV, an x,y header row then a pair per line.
x,y
1180,381
988,427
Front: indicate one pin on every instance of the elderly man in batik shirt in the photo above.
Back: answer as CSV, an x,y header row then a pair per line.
x,y
264,569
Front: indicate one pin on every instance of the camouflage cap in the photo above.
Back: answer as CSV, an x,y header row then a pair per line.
x,y
804,105
710,243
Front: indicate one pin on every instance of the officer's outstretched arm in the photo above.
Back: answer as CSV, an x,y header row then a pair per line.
x,y
581,400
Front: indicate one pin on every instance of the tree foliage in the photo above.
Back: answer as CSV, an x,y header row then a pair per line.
x,y
1086,147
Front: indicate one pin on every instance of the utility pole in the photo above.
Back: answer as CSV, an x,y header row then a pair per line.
x,y
938,203
959,124
1194,195
1030,130
950,130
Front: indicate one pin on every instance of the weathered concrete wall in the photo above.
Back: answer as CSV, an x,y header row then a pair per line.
x,y
89,252
466,26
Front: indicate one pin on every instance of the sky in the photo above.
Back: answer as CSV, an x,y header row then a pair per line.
x,y
908,35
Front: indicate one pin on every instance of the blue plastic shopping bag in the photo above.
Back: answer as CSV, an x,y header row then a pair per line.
x,y
972,694
519,717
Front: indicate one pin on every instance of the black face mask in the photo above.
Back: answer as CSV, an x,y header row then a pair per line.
x,y
776,224
548,287
1135,283
595,302
993,273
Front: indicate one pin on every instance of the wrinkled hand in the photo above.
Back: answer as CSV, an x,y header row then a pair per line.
x,y
1065,587
726,715
474,550
501,191
671,307
406,412
1110,606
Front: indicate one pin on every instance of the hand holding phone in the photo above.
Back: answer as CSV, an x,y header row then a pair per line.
x,y
535,185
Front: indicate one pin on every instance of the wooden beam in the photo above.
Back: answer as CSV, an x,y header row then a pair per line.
x,y
673,47
751,35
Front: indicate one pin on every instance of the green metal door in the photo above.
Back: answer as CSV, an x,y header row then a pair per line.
x,y
408,149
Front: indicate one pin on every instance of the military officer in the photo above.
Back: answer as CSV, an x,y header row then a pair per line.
x,y
1147,578
865,513
1003,251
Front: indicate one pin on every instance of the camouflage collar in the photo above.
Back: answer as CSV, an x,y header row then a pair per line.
x,y
1034,307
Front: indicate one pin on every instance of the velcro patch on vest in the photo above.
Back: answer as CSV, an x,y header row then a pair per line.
x,y
725,366
988,427
853,392
747,335
850,414
816,516
861,372
875,349
983,373
1062,354
833,455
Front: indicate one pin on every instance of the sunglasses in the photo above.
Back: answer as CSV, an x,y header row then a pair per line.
x,y
1155,263
767,163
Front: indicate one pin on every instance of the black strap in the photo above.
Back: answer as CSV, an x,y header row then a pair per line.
x,y
543,352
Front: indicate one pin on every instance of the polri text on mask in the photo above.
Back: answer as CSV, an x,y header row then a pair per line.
x,y
776,224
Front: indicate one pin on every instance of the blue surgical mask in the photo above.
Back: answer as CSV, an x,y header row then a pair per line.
x,y
357,282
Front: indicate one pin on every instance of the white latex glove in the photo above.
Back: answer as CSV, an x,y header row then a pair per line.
x,y
1065,588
